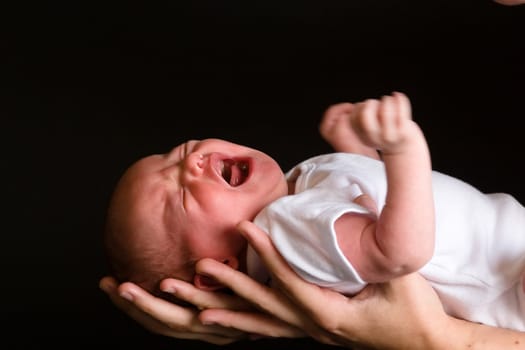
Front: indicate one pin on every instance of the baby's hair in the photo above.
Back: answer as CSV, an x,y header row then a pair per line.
x,y
145,264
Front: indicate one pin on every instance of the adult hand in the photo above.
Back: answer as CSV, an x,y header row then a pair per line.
x,y
510,2
402,314
165,318
169,319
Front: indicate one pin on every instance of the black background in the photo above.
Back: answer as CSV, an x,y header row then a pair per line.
x,y
87,88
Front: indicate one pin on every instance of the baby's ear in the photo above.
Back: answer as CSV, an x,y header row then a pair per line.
x,y
206,283
211,284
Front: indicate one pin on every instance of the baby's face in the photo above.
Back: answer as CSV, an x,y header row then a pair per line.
x,y
197,193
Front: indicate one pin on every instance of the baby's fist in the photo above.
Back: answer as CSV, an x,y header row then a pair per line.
x,y
384,124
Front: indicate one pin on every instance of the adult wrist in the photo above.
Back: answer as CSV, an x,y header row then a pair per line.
x,y
447,333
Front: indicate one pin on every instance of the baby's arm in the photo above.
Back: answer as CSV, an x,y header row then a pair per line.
x,y
401,240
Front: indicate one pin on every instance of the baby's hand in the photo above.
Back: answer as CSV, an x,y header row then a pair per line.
x,y
335,127
384,124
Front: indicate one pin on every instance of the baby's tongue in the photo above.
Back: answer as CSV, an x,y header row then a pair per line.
x,y
236,175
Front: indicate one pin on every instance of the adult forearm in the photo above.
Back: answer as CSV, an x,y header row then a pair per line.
x,y
462,334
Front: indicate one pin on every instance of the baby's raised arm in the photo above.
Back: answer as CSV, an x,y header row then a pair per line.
x,y
401,240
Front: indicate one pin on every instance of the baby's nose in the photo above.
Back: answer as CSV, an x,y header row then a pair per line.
x,y
195,163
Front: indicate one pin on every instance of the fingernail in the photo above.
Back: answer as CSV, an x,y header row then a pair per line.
x,y
169,289
127,296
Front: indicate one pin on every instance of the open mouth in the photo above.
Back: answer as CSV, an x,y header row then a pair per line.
x,y
234,172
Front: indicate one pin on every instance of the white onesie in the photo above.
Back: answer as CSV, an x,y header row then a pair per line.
x,y
479,252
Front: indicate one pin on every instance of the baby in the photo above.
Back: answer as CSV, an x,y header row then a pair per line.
x,y
372,211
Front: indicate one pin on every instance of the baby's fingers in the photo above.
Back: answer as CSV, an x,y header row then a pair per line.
x,y
389,121
365,122
404,108
333,116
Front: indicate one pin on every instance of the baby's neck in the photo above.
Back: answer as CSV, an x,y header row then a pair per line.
x,y
242,258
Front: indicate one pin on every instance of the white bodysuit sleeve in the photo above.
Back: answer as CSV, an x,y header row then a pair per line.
x,y
301,227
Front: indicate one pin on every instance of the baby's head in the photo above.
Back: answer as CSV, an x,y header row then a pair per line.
x,y
170,210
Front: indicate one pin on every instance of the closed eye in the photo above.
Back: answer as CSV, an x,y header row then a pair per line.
x,y
183,199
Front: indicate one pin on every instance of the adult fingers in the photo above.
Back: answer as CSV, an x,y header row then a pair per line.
x,y
262,297
177,318
510,2
307,295
230,311
251,322
202,299
162,317
110,286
